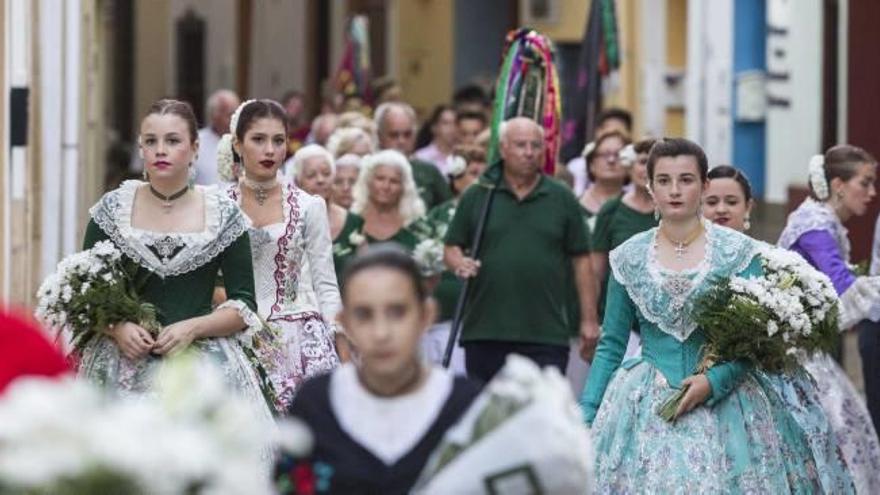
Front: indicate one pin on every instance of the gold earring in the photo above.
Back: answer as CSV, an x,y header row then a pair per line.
x,y
747,224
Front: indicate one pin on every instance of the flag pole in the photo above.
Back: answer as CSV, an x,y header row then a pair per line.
x,y
474,252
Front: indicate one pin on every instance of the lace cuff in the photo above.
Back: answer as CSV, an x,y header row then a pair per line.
x,y
251,319
860,301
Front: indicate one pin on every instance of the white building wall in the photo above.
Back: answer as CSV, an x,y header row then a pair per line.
x,y
60,109
709,78
794,132
653,47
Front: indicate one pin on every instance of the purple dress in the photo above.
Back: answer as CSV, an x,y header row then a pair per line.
x,y
815,232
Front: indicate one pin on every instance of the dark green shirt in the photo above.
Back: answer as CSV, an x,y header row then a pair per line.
x,y
344,247
521,292
432,187
447,290
615,223
405,237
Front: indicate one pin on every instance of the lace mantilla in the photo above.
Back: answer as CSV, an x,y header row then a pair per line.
x,y
169,254
813,215
665,297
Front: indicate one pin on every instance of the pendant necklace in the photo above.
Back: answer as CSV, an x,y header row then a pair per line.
x,y
167,200
261,188
681,246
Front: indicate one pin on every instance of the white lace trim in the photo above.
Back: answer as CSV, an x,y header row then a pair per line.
x,y
727,252
251,319
813,215
173,253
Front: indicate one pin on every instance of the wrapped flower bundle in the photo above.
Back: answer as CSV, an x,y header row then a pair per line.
x,y
772,321
90,291
523,434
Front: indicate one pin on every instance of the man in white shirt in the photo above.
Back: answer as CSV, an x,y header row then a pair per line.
x,y
220,107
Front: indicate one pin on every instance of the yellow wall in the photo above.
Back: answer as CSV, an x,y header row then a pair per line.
x,y
676,57
626,94
424,50
569,27
151,63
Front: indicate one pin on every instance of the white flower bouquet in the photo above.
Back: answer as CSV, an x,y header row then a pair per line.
x,y
90,291
195,436
523,434
772,321
429,255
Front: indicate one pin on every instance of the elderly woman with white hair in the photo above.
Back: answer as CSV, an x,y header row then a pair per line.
x,y
353,140
385,195
314,170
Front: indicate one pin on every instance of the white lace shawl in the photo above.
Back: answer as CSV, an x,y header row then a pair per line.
x,y
169,254
813,215
664,297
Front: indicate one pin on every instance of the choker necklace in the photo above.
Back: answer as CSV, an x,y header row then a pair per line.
x,y
167,200
261,188
681,246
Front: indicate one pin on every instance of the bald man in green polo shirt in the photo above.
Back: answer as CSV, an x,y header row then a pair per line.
x,y
534,237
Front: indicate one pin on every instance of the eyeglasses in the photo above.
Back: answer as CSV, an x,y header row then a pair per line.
x,y
609,157
399,134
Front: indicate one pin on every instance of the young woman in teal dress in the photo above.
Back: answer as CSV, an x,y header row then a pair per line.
x,y
179,237
732,433
385,195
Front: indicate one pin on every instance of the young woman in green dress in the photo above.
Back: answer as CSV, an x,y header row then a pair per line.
x,y
179,237
385,195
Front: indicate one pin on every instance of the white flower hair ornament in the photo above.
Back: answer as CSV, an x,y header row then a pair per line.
x,y
226,166
455,165
818,182
627,156
588,149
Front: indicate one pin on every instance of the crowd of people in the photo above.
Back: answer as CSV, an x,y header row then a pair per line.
x,y
263,226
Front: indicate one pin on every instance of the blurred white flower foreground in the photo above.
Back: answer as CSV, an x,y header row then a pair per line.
x,y
192,436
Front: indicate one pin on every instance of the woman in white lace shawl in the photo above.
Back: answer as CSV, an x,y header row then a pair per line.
x,y
296,288
841,186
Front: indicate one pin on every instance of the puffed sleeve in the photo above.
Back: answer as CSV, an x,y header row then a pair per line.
x,y
319,250
822,252
238,278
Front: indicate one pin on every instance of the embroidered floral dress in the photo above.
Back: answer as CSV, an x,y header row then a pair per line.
x,y
179,271
815,232
742,440
296,289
